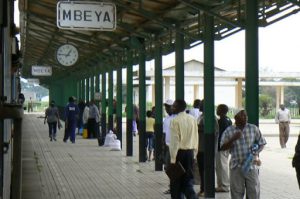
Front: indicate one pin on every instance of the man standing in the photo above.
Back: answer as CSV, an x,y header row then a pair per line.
x,y
183,148
222,170
93,121
71,117
239,139
283,117
166,134
30,105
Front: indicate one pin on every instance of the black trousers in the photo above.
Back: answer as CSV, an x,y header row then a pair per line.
x,y
92,128
298,175
184,185
200,163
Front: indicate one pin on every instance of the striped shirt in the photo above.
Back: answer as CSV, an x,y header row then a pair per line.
x,y
241,147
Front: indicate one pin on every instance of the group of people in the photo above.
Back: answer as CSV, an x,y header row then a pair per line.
x,y
184,142
79,116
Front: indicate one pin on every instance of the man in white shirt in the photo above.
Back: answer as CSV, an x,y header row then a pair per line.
x,y
283,118
166,132
195,111
183,148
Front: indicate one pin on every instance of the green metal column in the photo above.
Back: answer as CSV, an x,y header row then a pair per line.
x,y
97,82
142,102
129,106
110,100
179,62
119,104
87,89
82,89
158,108
252,83
209,122
103,106
92,87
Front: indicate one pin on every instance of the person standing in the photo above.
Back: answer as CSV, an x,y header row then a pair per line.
x,y
283,118
239,139
71,117
81,106
150,121
30,105
296,160
166,135
183,148
93,121
52,118
201,148
195,111
222,170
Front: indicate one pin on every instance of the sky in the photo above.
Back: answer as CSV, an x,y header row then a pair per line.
x,y
279,48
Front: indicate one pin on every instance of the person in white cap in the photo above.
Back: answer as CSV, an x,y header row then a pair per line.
x,y
166,134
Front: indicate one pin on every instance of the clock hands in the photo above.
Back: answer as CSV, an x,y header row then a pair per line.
x,y
66,55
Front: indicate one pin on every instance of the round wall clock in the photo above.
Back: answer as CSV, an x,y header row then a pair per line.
x,y
67,55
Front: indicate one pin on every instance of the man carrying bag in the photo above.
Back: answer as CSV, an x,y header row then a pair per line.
x,y
183,149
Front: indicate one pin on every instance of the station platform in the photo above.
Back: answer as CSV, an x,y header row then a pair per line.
x,y
58,170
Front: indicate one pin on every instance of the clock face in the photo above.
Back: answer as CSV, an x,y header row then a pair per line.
x,y
67,55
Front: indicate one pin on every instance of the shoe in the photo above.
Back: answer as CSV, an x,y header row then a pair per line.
x,y
167,192
200,194
54,139
50,139
219,189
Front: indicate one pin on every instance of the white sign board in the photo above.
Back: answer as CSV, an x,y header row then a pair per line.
x,y
33,81
85,15
41,70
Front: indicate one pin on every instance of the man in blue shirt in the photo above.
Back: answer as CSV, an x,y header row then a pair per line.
x,y
71,117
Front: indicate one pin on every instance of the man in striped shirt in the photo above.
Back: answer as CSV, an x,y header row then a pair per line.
x,y
239,139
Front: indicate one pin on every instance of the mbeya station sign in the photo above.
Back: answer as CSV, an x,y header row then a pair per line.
x,y
41,70
86,15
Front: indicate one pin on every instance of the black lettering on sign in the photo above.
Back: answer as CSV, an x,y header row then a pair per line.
x,y
67,14
98,15
87,15
77,15
106,17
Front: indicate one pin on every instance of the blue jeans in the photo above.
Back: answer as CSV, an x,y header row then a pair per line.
x,y
149,140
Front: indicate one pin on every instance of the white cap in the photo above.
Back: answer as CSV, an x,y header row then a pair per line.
x,y
169,102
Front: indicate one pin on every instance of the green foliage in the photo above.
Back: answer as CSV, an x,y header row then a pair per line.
x,y
265,104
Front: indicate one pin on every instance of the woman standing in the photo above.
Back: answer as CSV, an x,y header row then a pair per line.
x,y
52,117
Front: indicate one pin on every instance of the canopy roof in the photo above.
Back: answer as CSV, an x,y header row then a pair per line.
x,y
155,22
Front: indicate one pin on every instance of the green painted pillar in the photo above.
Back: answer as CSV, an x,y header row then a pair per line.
x,y
87,89
142,102
97,83
209,113
92,87
252,67
129,106
83,89
103,106
158,108
110,100
119,104
179,63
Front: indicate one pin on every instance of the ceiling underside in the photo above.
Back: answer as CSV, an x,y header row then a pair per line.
x,y
155,22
